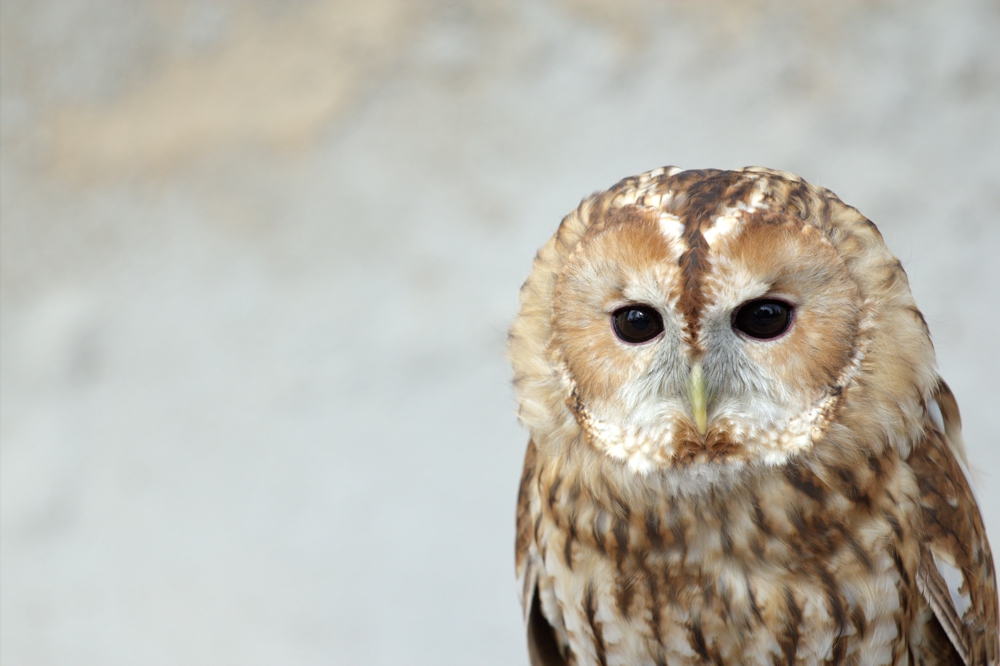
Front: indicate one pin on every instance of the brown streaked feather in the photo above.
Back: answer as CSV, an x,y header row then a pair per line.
x,y
543,648
954,532
543,643
524,521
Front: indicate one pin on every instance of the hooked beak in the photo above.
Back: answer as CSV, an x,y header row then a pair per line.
x,y
699,397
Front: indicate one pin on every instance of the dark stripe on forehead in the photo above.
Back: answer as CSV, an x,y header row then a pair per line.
x,y
693,267
698,198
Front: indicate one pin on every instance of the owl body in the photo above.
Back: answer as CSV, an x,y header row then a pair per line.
x,y
740,450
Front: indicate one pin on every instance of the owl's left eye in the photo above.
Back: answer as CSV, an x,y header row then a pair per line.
x,y
763,319
636,323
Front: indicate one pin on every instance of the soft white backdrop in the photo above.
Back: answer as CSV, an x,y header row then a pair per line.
x,y
259,258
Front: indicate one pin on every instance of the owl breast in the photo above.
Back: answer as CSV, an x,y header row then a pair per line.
x,y
740,578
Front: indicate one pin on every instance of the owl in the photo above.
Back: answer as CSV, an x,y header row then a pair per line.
x,y
740,450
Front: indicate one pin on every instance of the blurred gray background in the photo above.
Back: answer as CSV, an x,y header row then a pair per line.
x,y
259,258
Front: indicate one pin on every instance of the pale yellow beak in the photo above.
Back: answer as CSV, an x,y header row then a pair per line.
x,y
699,397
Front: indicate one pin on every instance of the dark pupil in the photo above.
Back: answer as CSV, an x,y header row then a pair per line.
x,y
764,319
637,323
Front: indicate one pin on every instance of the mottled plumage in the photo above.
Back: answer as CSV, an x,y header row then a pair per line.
x,y
725,492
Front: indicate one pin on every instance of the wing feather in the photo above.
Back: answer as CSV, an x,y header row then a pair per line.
x,y
526,575
935,591
956,574
543,647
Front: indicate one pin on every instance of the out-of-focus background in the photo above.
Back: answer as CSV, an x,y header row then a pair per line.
x,y
259,258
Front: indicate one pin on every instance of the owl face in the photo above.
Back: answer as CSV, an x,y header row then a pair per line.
x,y
716,318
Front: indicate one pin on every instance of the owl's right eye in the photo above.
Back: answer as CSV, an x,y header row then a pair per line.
x,y
636,323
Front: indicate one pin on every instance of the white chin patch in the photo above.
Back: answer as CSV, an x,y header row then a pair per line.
x,y
642,452
645,449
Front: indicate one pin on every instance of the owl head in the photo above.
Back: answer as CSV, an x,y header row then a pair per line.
x,y
685,322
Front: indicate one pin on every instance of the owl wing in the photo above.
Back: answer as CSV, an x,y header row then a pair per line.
x,y
956,574
543,648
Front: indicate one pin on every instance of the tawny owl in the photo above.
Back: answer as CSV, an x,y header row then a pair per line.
x,y
740,450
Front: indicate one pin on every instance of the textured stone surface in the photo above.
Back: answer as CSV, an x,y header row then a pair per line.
x,y
258,261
